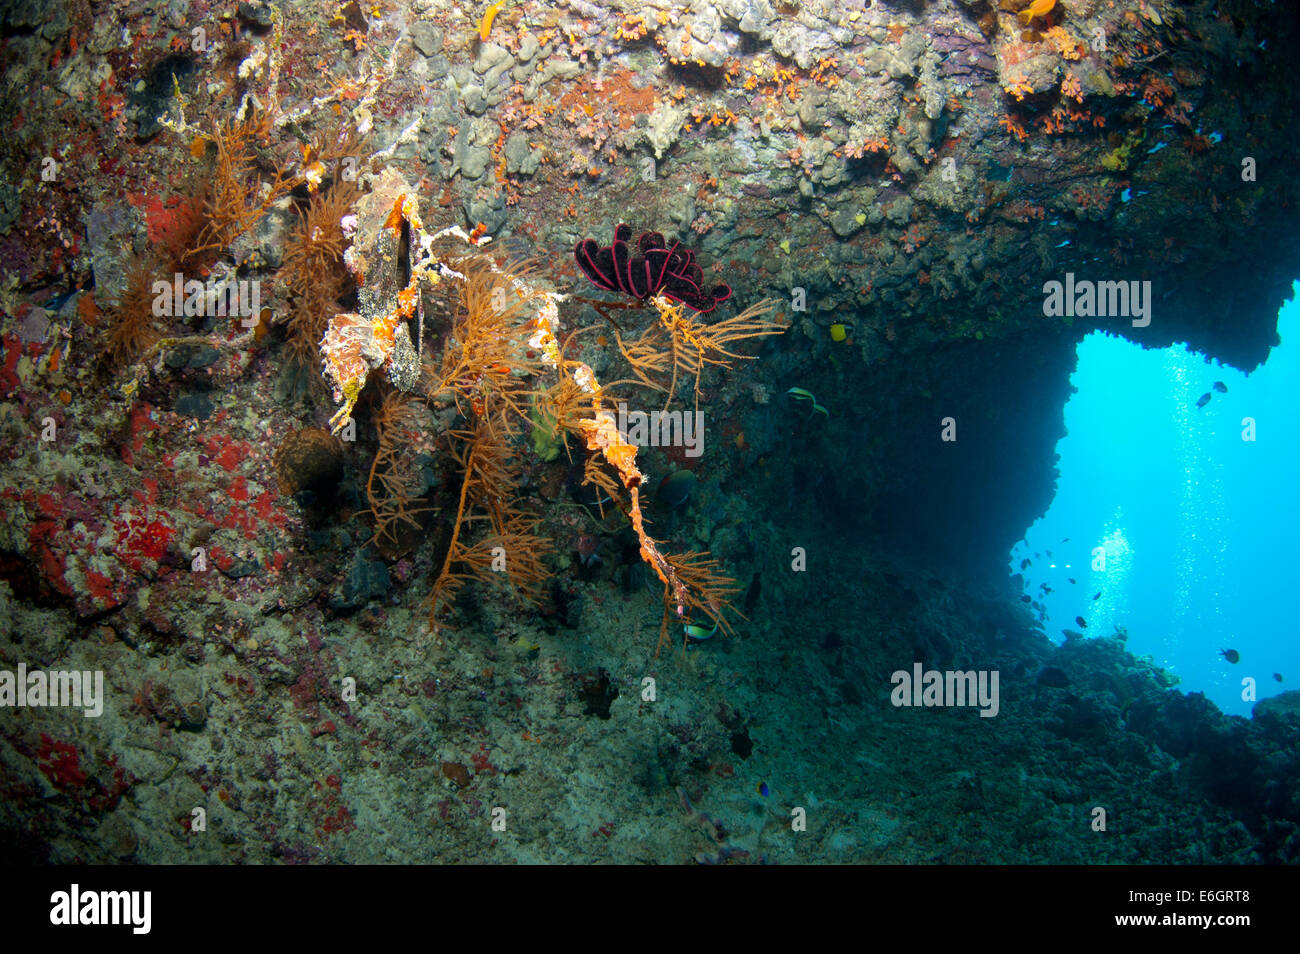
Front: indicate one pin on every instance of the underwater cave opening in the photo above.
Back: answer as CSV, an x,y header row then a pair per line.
x,y
1174,517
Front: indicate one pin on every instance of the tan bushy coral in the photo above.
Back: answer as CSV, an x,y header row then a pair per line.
x,y
313,270
132,327
500,355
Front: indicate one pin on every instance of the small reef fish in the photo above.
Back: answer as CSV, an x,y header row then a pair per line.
x,y
1070,578
1096,596
1231,655
1035,10
1220,387
1277,676
1083,623
762,789
485,25
801,394
1203,400
1025,563
698,634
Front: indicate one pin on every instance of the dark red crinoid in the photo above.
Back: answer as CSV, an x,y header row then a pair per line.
x,y
648,267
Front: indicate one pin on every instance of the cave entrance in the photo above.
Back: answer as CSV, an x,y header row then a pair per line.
x,y
1169,523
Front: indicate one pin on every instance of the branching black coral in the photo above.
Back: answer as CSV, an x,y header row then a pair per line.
x,y
313,270
238,193
508,548
680,344
490,358
395,483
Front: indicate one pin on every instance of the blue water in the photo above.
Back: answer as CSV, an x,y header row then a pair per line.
x,y
1198,527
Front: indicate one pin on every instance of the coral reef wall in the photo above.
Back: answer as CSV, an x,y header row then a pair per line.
x,y
918,170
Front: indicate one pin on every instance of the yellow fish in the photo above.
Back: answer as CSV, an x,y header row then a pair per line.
x,y
485,25
1038,8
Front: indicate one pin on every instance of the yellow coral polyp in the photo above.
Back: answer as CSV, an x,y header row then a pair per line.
x,y
351,391
411,212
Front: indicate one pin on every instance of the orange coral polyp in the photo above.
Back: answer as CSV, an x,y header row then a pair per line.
x,y
407,298
383,334
395,218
